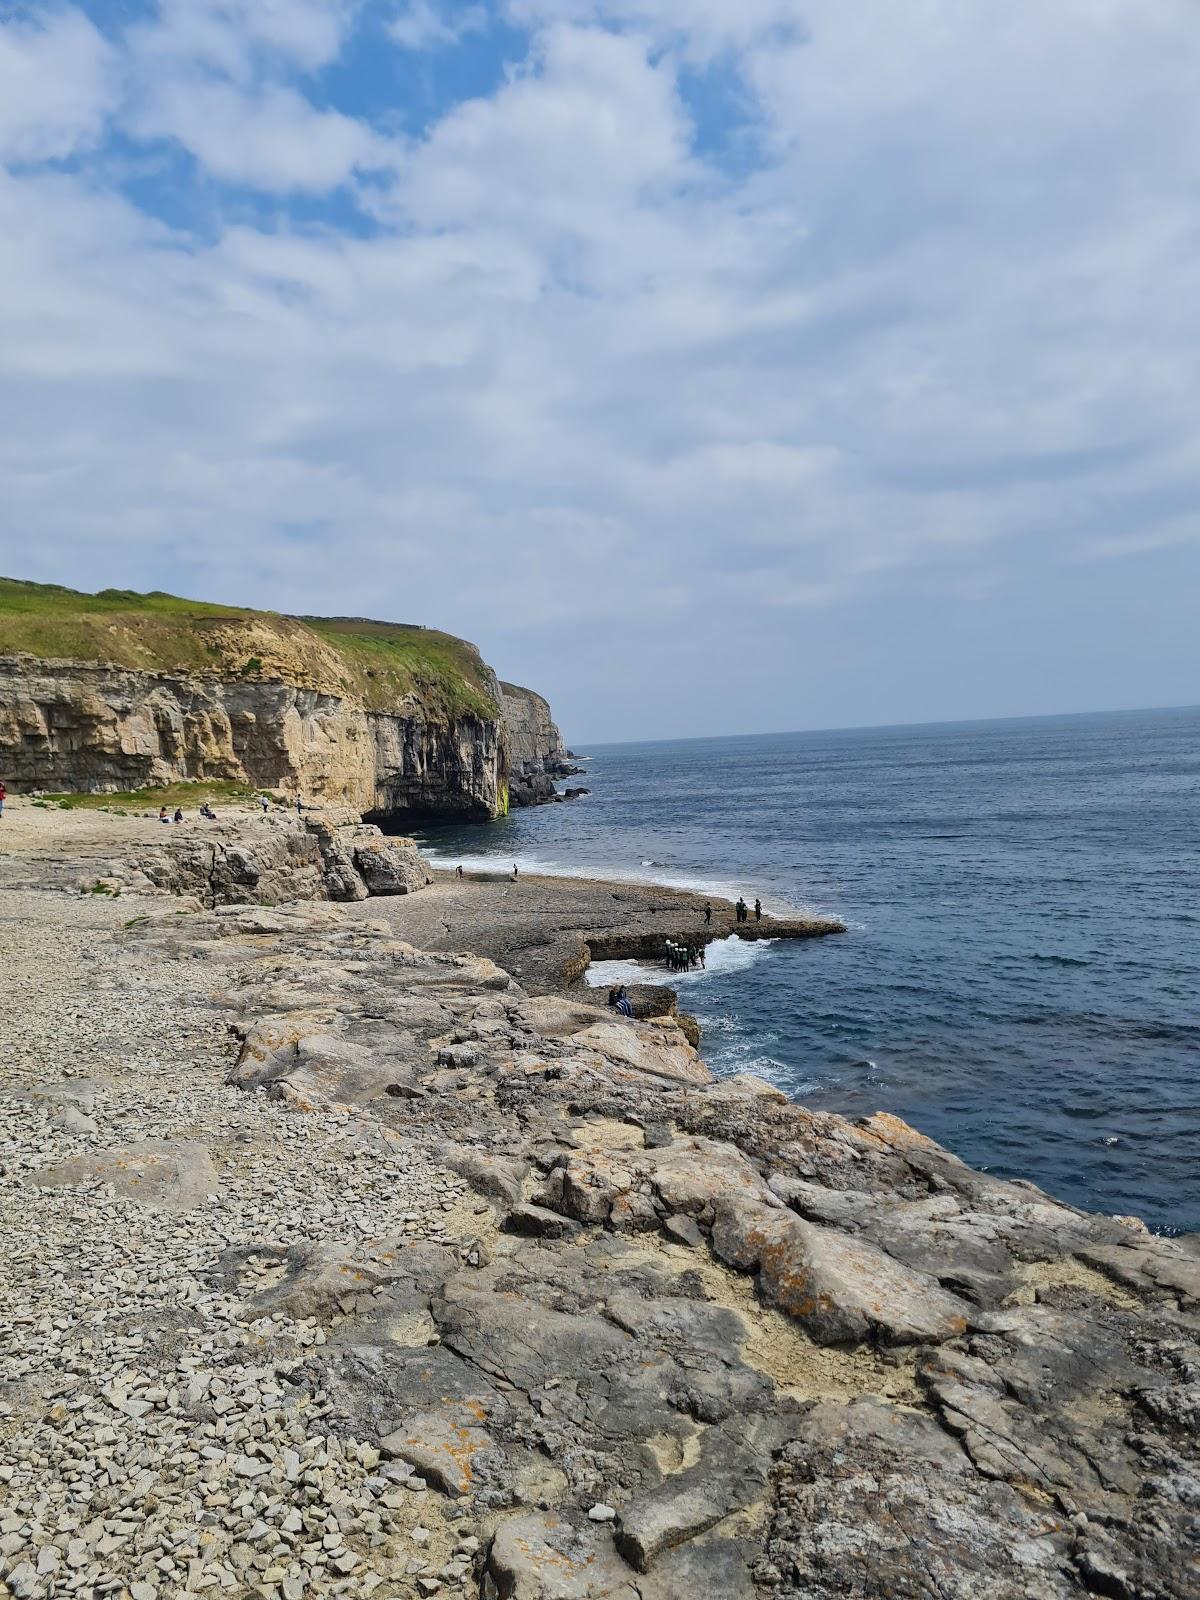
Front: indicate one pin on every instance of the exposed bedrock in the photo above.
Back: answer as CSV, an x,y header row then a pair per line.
x,y
534,750
243,858
692,1338
90,726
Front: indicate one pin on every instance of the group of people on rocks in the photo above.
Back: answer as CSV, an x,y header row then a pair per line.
x,y
206,811
742,910
683,957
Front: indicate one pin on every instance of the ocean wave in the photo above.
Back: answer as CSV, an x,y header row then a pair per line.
x,y
721,1024
1059,961
769,1068
723,956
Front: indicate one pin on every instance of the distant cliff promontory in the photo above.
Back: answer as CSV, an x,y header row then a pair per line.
x,y
119,691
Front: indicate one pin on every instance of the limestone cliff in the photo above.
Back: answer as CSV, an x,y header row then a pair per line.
x,y
534,748
534,742
117,692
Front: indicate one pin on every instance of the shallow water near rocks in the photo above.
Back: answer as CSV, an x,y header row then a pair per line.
x,y
1022,966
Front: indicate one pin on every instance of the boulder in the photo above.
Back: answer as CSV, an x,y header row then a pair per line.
x,y
322,1279
497,1177
441,1444
878,1502
173,1175
688,1503
341,879
548,1556
686,1176
660,1051
81,1093
320,1067
535,1222
389,866
1150,1265
842,1289
71,1120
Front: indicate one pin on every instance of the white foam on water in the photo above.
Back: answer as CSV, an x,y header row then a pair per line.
x,y
603,974
722,956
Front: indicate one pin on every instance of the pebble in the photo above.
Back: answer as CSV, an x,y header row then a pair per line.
x,y
159,1439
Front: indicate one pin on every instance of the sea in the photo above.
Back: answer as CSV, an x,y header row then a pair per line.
x,y
1020,975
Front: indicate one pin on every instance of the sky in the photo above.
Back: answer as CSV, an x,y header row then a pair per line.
x,y
716,365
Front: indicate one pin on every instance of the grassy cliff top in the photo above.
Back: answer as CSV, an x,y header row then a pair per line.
x,y
377,664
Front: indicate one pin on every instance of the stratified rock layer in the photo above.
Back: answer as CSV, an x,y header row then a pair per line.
x,y
78,725
85,726
534,750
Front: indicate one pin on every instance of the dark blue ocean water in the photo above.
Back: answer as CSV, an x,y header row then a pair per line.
x,y
1021,974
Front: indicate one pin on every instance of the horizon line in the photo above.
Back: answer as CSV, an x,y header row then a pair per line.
x,y
893,727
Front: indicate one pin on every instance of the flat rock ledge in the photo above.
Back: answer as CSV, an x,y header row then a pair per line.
x,y
337,1267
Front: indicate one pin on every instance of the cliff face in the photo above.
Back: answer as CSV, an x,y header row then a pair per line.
x,y
533,740
394,721
534,749
72,725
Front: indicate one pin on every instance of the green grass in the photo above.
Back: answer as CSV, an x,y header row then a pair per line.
x,y
377,663
393,659
188,795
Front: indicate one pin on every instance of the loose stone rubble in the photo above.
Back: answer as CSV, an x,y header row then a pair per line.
x,y
337,1268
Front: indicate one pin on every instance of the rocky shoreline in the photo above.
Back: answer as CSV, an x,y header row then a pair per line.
x,y
343,1262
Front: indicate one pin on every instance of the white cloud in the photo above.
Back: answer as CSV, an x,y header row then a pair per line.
x,y
56,85
427,24
578,385
700,27
271,139
215,75
573,145
232,36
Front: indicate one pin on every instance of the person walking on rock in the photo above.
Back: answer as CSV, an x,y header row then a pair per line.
x,y
514,872
264,802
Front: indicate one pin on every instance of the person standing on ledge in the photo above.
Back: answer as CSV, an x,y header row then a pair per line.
x,y
299,806
514,872
742,910
758,911
708,914
458,872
